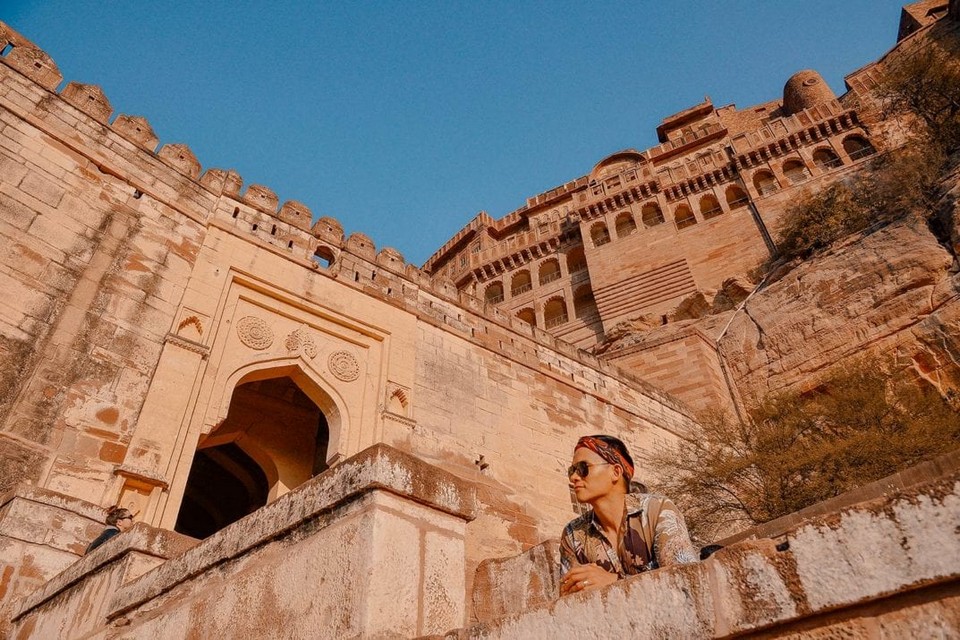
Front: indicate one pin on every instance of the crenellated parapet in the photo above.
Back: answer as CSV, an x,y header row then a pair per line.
x,y
29,59
181,158
136,129
90,99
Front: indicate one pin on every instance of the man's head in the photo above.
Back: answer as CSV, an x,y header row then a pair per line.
x,y
601,465
120,518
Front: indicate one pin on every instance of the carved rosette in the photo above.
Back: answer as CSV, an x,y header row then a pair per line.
x,y
255,332
299,339
344,366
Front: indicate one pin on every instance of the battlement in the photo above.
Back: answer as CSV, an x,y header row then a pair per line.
x,y
285,230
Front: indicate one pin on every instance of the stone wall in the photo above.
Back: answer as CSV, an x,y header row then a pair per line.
x,y
138,291
886,569
371,548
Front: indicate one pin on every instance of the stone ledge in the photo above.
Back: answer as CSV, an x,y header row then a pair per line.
x,y
54,499
875,552
141,538
379,467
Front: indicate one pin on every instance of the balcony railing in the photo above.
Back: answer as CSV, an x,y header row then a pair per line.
x,y
862,153
833,163
549,277
495,299
740,202
523,288
711,213
555,322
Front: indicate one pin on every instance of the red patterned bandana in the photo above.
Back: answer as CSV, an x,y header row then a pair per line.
x,y
606,452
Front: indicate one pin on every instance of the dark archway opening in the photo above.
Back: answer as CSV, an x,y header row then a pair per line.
x,y
273,439
224,485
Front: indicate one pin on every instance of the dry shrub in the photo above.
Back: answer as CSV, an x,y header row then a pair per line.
x,y
795,450
902,182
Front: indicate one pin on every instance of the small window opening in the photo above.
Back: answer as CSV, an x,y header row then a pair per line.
x,y
254,226
236,211
290,245
323,256
273,231
7,48
356,276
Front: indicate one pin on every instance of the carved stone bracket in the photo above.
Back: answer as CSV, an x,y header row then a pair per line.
x,y
189,345
141,475
255,332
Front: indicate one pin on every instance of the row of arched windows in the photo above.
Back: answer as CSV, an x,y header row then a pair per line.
x,y
855,146
555,312
683,216
546,272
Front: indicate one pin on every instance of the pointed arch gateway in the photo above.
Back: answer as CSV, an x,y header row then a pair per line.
x,y
275,428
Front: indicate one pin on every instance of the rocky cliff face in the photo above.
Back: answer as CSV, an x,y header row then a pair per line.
x,y
893,292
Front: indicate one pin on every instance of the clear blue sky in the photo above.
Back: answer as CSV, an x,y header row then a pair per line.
x,y
404,119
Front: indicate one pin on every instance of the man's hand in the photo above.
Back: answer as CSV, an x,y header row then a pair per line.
x,y
585,576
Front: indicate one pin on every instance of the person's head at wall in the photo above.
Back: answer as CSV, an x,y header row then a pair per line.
x,y
601,467
120,518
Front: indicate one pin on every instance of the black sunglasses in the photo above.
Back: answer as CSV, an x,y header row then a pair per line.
x,y
582,468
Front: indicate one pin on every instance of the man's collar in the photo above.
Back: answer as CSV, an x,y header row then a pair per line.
x,y
635,503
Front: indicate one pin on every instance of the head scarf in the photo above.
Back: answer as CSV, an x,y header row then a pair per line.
x,y
607,452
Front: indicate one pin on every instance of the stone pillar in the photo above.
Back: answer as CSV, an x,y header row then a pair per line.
x,y
158,441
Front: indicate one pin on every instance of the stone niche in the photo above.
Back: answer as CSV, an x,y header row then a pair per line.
x,y
370,548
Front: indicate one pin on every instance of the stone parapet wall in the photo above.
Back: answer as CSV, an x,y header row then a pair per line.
x,y
886,569
41,533
372,546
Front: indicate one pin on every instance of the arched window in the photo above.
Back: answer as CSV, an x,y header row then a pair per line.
x,y
683,217
651,214
554,313
765,182
826,159
576,261
324,256
736,197
794,171
493,294
549,271
625,224
710,207
528,316
599,234
520,283
584,306
858,147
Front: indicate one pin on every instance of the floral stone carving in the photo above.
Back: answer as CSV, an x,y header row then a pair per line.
x,y
255,332
344,366
299,339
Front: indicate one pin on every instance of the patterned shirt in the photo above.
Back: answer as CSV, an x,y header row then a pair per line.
x,y
653,535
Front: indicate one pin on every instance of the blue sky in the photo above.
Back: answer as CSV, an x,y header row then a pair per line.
x,y
404,119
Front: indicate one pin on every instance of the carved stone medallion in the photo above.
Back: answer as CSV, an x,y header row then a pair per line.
x,y
254,332
344,366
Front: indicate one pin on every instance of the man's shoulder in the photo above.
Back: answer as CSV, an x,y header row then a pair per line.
x,y
580,523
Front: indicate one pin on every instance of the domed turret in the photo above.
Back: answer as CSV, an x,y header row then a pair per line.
x,y
803,90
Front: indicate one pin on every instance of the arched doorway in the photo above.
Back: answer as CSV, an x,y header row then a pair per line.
x,y
273,439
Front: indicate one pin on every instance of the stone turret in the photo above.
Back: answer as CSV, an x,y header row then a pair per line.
x,y
803,90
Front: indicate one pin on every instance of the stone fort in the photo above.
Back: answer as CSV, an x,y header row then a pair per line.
x,y
322,440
